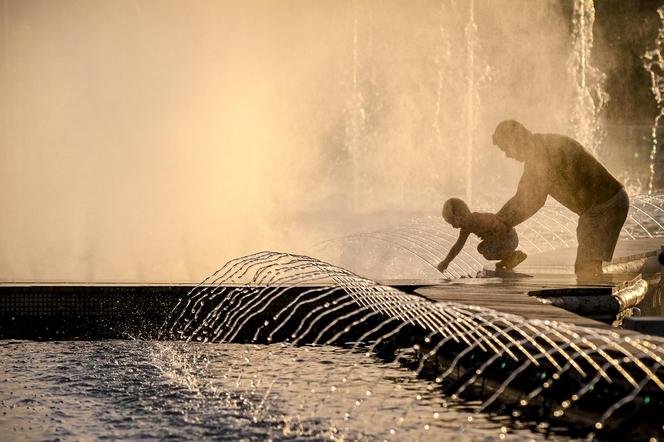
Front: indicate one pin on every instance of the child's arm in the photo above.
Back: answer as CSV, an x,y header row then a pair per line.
x,y
454,251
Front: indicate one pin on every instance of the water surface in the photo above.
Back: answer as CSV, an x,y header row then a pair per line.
x,y
151,390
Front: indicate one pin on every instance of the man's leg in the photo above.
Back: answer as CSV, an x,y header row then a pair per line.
x,y
598,232
588,261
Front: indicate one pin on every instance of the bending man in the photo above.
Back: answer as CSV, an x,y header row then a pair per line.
x,y
557,165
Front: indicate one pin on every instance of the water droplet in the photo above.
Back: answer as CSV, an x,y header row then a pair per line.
x,y
368,393
469,419
357,403
436,415
418,397
392,431
333,388
599,425
426,427
523,402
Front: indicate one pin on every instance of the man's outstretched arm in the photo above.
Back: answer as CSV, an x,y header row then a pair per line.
x,y
529,198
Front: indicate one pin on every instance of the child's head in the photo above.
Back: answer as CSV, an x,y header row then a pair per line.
x,y
455,211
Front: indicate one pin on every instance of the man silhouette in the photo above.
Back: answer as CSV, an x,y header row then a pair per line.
x,y
559,166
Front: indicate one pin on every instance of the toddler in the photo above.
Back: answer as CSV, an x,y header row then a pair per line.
x,y
498,241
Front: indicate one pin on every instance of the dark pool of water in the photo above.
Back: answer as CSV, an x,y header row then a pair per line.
x,y
138,390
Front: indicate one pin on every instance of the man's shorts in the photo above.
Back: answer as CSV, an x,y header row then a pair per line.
x,y
599,228
499,246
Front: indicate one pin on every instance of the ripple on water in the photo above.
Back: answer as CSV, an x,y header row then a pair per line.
x,y
133,390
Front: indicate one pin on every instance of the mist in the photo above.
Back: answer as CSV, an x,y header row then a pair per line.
x,y
151,141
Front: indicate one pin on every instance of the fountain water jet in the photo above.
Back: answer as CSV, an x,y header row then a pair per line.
x,y
653,62
453,344
590,93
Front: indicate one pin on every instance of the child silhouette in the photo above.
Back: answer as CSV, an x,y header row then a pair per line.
x,y
499,242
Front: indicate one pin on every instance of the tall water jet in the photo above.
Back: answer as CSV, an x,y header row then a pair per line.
x,y
477,74
654,64
442,60
355,115
470,32
590,96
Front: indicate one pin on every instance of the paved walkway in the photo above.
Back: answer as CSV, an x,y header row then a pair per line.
x,y
548,270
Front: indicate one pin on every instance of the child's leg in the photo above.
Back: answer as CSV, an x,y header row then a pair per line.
x,y
499,247
503,248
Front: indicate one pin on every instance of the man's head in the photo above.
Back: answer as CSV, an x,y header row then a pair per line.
x,y
455,211
513,139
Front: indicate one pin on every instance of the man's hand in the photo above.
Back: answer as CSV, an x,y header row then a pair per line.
x,y
442,266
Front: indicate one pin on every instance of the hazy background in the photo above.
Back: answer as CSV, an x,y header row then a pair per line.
x,y
154,140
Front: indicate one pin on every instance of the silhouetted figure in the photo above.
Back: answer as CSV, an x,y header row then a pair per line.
x,y
559,166
499,242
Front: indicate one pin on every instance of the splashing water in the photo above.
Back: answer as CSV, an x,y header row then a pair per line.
x,y
589,82
654,64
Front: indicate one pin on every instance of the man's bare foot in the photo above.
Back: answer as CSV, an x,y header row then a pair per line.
x,y
588,268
